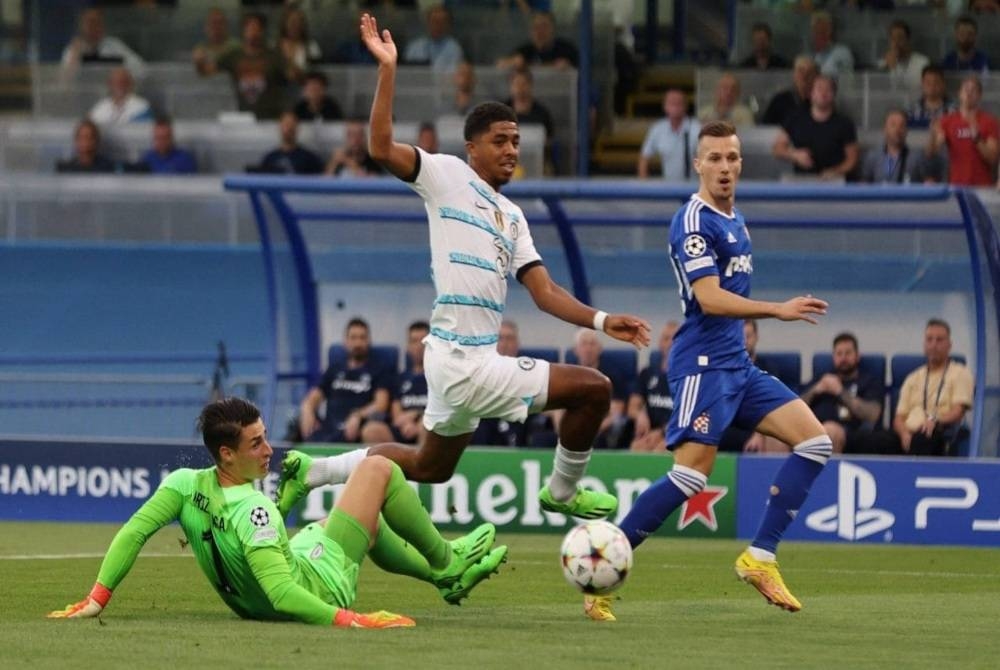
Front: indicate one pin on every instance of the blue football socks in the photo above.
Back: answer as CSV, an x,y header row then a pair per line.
x,y
658,501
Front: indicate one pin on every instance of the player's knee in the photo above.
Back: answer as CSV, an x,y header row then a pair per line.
x,y
376,466
597,389
429,471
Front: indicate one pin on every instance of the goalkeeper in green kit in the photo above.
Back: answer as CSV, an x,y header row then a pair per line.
x,y
239,539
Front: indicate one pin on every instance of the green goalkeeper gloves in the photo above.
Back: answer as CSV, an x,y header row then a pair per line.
x,y
90,606
349,619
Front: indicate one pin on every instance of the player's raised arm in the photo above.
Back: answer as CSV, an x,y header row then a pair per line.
x,y
552,298
399,159
717,301
162,508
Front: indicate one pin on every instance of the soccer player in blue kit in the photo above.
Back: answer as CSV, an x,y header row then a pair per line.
x,y
714,382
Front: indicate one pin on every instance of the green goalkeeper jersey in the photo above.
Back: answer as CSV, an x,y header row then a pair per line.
x,y
239,540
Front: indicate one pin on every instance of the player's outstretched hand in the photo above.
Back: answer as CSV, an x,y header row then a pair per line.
x,y
802,308
89,607
381,45
349,619
627,328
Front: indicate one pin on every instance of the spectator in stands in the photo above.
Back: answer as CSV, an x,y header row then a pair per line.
x,y
847,400
544,48
257,71
895,163
934,101
356,390
674,139
353,51
316,104
217,42
165,157
405,421
832,59
727,106
522,101
427,137
587,347
934,398
352,159
290,157
984,6
92,45
650,404
971,136
295,45
903,64
965,55
819,141
537,431
762,56
782,105
86,151
437,48
464,79
121,105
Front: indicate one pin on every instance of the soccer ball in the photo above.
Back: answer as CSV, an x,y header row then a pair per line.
x,y
596,557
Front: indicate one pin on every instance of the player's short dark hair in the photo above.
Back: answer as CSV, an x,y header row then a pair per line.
x,y
427,125
316,75
902,25
87,123
761,27
967,20
163,120
938,322
846,337
419,325
485,115
222,421
522,72
932,69
356,321
717,129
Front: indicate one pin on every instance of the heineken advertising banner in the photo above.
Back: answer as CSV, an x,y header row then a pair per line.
x,y
501,486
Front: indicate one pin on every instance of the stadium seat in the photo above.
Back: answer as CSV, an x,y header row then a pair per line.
x,y
620,365
550,354
785,365
386,354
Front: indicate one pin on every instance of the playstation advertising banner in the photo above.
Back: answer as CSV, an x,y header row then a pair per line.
x,y
913,501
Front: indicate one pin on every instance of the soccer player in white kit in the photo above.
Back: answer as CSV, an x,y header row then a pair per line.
x,y
478,237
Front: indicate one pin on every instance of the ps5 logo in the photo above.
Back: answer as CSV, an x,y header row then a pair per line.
x,y
854,516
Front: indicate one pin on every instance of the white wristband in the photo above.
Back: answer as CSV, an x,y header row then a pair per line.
x,y
599,319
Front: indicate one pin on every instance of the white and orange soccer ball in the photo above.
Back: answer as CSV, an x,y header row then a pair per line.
x,y
596,557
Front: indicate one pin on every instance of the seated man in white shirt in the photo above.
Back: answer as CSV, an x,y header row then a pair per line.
x,y
121,105
92,45
673,138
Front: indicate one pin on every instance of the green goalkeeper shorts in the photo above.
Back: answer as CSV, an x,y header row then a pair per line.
x,y
330,566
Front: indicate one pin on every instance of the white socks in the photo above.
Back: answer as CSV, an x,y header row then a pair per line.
x,y
334,469
567,471
762,554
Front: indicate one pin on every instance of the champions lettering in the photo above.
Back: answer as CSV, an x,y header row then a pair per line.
x,y
65,480
743,263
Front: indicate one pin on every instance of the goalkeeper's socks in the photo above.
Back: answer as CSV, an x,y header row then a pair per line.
x,y
394,554
790,488
334,469
406,515
657,502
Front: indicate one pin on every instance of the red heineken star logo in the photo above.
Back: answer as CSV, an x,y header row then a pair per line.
x,y
701,506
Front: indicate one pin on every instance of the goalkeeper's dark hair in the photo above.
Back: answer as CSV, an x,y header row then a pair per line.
x,y
222,421
484,115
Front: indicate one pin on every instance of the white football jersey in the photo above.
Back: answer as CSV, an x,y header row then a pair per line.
x,y
478,237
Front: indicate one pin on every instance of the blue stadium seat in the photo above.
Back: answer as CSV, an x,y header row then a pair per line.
x,y
386,354
620,365
550,354
785,365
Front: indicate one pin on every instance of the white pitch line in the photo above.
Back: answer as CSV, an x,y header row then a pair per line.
x,y
828,571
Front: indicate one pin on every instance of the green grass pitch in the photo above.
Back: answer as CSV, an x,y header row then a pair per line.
x,y
682,607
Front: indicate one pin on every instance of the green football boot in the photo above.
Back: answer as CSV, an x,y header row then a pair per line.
x,y
586,504
466,551
292,482
486,567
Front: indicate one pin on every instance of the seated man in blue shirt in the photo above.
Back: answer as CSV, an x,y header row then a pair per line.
x,y
165,157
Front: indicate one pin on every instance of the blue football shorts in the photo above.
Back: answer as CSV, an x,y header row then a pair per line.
x,y
706,404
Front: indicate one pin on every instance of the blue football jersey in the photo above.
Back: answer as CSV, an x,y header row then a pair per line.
x,y
703,242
